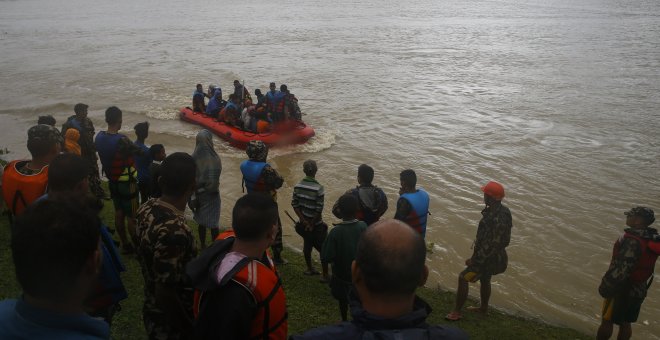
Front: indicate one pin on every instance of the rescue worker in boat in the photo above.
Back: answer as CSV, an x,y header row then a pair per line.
x,y
413,204
275,103
291,108
232,114
198,104
23,181
239,293
216,104
259,176
261,99
626,282
242,95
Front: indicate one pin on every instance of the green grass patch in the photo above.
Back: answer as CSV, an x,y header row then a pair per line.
x,y
309,301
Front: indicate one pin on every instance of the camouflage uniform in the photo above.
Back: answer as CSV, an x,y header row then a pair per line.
x,y
493,235
88,151
616,279
166,245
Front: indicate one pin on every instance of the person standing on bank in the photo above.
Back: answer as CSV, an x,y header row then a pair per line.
x,y
307,202
372,199
259,176
116,152
626,282
206,201
489,255
142,162
85,127
413,204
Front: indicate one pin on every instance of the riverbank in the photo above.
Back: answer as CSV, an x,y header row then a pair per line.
x,y
309,301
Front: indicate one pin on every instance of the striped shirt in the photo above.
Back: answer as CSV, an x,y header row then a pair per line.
x,y
308,196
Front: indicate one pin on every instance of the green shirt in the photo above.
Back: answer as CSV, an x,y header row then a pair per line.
x,y
340,247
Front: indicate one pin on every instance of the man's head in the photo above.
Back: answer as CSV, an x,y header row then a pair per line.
x,y
68,173
257,150
157,152
237,83
283,88
389,262
142,130
257,92
408,179
272,87
177,175
493,193
44,142
47,119
365,174
55,248
199,88
81,110
348,206
113,116
639,217
310,168
254,218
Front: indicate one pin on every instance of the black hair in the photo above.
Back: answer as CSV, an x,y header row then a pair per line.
x,y
177,174
198,85
257,92
253,216
283,88
310,168
112,115
155,149
142,130
388,270
40,147
366,173
348,206
408,177
51,243
47,119
80,108
66,171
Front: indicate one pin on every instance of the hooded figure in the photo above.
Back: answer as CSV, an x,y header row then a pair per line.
x,y
215,103
71,141
206,203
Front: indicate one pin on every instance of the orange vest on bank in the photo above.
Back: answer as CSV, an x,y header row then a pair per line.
x,y
265,286
20,190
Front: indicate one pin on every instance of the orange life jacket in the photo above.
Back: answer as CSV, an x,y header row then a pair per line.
x,y
643,270
265,286
20,190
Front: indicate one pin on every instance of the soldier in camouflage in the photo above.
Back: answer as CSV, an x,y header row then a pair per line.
x,y
166,245
629,275
489,251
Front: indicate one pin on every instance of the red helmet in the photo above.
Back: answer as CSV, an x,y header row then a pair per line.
x,y
494,190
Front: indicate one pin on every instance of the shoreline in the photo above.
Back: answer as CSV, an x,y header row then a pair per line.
x,y
309,302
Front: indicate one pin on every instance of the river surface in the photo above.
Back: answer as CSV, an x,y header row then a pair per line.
x,y
559,100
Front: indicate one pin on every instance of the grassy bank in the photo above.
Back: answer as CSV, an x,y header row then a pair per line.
x,y
309,302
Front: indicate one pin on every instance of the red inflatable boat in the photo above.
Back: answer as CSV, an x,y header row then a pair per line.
x,y
290,132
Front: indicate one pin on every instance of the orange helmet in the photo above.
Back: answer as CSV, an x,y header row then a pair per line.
x,y
494,190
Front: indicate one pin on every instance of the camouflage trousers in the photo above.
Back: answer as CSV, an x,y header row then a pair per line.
x,y
95,181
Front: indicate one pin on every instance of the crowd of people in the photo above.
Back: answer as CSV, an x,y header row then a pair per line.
x,y
69,265
240,111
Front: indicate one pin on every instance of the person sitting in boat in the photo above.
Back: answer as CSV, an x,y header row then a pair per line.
x,y
291,108
232,115
275,103
261,99
215,104
198,104
241,92
211,90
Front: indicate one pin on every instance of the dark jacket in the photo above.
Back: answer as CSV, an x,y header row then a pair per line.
x,y
364,325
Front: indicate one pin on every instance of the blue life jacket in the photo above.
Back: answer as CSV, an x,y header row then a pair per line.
x,y
420,210
142,163
230,105
111,289
106,145
200,94
252,174
75,124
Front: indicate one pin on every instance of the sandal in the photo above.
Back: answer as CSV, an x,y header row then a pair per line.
x,y
454,316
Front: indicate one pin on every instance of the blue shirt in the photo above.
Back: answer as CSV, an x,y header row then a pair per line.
x,y
19,320
142,163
